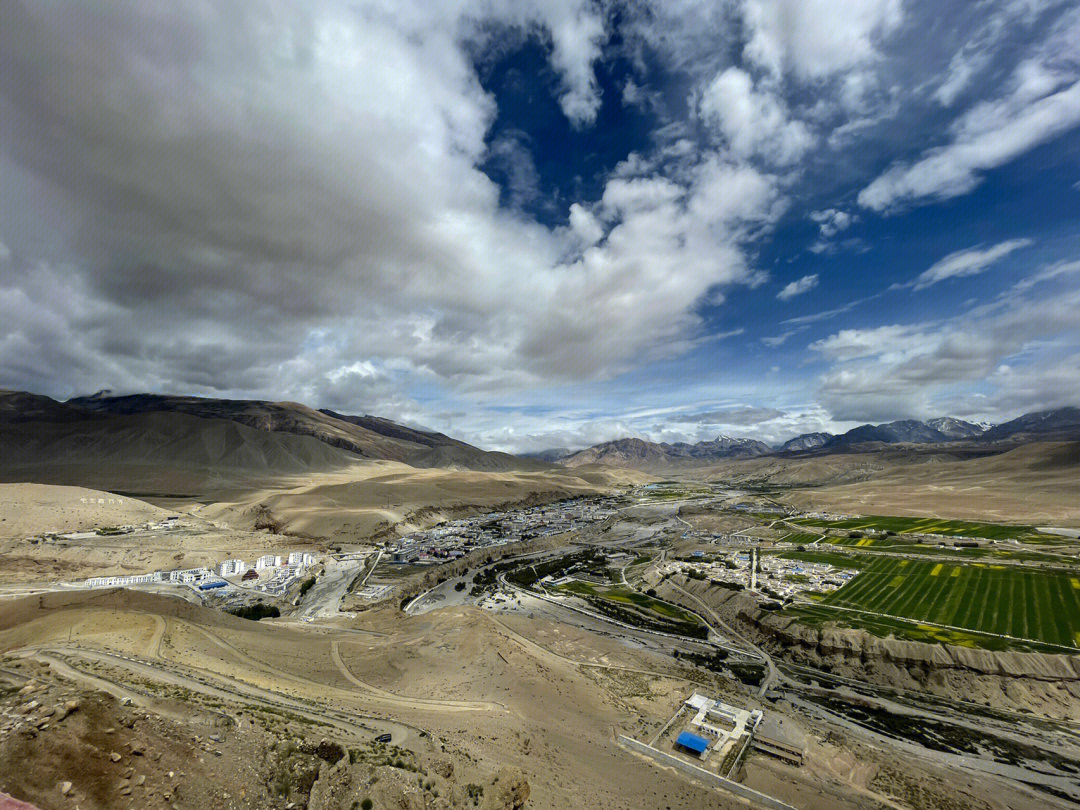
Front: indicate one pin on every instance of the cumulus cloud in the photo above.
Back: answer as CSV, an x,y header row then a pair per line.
x,y
248,200
752,120
320,201
968,262
897,371
831,221
798,287
817,38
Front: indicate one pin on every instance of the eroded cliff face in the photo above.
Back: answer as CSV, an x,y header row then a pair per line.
x,y
1037,682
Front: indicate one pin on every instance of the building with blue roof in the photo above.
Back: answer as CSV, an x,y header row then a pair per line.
x,y
692,743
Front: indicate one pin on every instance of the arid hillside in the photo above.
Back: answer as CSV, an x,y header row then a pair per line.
x,y
27,509
373,499
1035,483
252,464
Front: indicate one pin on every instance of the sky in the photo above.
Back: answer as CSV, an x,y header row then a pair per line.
x,y
547,223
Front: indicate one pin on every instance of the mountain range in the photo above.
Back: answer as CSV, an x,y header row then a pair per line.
x,y
1063,423
199,437
150,442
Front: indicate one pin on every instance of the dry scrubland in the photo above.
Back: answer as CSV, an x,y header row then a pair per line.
x,y
372,498
1035,484
519,705
30,512
29,509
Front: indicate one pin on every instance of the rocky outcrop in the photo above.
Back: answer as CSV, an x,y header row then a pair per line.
x,y
865,649
508,791
1043,683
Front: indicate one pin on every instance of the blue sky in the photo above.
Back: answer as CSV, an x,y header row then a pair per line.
x,y
548,223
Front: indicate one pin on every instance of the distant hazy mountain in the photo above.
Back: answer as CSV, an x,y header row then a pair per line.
x,y
1060,423
638,453
807,441
956,428
944,429
551,455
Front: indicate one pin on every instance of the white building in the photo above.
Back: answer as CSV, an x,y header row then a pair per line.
x,y
189,576
232,568
301,559
120,582
268,561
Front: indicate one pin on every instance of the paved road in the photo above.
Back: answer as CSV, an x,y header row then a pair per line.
x,y
772,673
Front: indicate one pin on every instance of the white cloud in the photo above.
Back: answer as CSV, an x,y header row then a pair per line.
x,y
323,176
817,38
831,221
978,53
798,287
968,262
1054,271
1042,102
772,341
915,370
577,33
753,121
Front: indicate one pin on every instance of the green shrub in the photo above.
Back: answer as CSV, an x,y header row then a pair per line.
x,y
255,612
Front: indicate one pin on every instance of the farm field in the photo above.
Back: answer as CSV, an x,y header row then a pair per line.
x,y
898,545
951,528
884,627
1041,606
804,538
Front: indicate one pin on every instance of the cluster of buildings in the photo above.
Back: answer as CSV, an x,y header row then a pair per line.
x,y
239,568
774,575
280,571
457,538
718,730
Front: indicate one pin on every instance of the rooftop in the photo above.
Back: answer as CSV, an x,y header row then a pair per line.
x,y
692,741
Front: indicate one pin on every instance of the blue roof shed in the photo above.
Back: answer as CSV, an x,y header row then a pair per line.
x,y
692,742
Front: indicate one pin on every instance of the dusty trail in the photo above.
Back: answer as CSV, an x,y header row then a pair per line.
x,y
371,692
412,702
541,652
355,724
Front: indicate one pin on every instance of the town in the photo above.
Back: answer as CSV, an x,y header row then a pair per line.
x,y
457,538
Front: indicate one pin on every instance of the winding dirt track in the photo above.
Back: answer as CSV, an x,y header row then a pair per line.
x,y
413,702
541,652
370,692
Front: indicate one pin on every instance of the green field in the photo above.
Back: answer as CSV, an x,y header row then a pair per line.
x,y
1043,606
951,528
817,616
803,539
900,545
630,597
